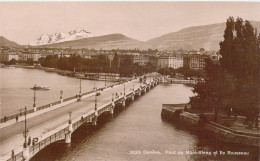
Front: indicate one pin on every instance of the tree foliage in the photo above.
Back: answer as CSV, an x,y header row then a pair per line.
x,y
234,82
100,64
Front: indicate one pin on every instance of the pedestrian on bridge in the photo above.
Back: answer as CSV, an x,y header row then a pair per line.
x,y
5,118
12,154
16,118
29,140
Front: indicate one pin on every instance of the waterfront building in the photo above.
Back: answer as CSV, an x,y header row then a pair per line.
x,y
195,61
4,57
123,57
28,55
135,58
170,61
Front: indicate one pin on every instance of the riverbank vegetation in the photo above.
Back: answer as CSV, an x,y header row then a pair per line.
x,y
232,85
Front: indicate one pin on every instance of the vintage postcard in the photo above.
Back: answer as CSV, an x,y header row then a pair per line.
x,y
129,80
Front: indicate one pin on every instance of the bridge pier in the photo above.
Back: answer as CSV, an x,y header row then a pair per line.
x,y
133,97
26,154
112,108
68,135
140,92
112,111
94,119
123,103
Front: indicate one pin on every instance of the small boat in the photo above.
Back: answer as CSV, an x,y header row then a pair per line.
x,y
35,87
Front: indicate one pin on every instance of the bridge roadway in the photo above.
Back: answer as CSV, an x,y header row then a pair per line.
x,y
11,137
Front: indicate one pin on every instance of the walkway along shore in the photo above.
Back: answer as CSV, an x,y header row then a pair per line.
x,y
175,112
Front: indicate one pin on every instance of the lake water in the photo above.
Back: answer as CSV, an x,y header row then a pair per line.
x,y
15,92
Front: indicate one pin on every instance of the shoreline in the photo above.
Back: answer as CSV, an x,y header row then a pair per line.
x,y
66,73
176,113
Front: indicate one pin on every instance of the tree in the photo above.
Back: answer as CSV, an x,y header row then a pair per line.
x,y
202,49
115,63
234,83
226,46
13,62
63,63
29,61
164,71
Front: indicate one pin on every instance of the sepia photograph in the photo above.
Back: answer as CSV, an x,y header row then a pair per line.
x,y
129,80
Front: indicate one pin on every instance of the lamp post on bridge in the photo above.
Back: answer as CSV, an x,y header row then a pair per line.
x,y
34,96
105,81
94,119
113,106
112,97
61,92
26,131
26,151
79,97
124,89
80,86
70,113
96,99
141,79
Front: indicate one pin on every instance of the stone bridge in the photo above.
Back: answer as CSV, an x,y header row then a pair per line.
x,y
64,132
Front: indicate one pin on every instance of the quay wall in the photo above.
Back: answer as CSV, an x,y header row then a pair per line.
x,y
218,131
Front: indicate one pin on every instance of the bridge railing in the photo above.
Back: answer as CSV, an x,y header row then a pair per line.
x,y
35,148
234,131
14,116
100,111
17,157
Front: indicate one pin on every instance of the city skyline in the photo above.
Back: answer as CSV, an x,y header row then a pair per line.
x,y
138,20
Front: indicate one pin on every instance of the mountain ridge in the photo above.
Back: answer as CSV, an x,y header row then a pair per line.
x,y
189,38
192,38
5,42
110,41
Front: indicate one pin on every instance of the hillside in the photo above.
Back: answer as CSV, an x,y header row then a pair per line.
x,y
112,41
207,36
6,42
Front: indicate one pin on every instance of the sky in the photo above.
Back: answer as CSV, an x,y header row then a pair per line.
x,y
26,21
